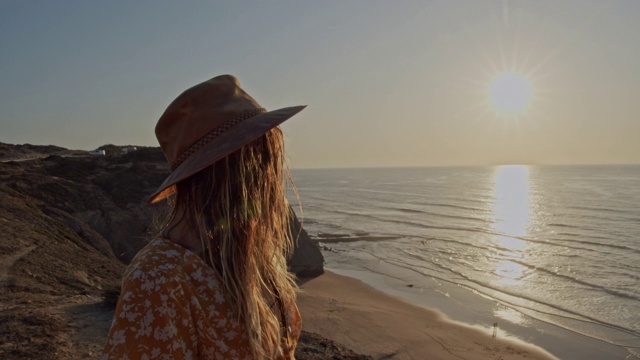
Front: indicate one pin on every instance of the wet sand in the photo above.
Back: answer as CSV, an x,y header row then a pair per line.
x,y
370,322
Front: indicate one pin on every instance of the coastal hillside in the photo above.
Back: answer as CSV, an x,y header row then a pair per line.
x,y
69,224
28,151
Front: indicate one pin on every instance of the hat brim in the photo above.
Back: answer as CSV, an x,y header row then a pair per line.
x,y
223,145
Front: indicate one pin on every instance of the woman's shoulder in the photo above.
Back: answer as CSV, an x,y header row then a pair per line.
x,y
159,262
158,255
163,264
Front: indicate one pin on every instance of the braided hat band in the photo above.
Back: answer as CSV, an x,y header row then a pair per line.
x,y
215,133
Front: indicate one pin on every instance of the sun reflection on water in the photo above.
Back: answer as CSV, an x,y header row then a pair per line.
x,y
511,221
511,315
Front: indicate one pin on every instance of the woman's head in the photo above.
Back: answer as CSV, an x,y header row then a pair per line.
x,y
207,123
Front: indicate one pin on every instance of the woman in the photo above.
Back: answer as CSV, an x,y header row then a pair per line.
x,y
214,283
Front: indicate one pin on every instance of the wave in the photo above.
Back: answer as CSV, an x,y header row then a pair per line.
x,y
411,211
591,236
328,239
447,216
480,199
578,227
459,207
581,244
578,281
403,222
601,245
604,209
482,287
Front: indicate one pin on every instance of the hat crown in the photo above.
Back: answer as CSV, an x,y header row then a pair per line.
x,y
200,110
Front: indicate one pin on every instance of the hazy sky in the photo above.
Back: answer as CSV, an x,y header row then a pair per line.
x,y
388,83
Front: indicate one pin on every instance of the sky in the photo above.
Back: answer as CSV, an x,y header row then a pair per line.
x,y
387,83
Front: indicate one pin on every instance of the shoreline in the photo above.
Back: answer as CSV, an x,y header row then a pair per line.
x,y
369,321
465,308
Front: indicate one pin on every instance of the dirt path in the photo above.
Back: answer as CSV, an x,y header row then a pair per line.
x,y
7,262
89,322
60,327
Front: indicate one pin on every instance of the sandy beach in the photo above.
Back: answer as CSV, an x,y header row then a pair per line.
x,y
370,322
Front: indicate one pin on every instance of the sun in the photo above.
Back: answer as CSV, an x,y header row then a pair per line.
x,y
510,94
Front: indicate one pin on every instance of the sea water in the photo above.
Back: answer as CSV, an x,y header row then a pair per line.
x,y
558,244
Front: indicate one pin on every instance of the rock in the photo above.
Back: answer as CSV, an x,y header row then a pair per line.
x,y
307,260
312,346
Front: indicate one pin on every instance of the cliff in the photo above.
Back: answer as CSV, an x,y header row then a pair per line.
x,y
69,224
102,198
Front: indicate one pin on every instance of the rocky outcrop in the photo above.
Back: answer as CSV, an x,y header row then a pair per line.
x,y
307,260
312,346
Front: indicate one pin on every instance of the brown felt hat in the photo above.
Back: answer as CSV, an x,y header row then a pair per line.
x,y
208,122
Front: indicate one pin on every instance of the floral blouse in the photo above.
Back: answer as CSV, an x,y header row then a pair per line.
x,y
172,306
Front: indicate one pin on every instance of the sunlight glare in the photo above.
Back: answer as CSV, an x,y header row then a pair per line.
x,y
511,206
510,94
511,220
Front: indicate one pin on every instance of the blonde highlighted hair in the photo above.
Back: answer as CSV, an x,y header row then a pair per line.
x,y
239,209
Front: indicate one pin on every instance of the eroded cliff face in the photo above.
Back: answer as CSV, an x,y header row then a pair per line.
x,y
100,202
307,260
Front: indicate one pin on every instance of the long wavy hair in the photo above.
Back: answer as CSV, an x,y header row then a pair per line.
x,y
239,209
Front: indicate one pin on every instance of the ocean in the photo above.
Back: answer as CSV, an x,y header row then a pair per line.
x,y
542,247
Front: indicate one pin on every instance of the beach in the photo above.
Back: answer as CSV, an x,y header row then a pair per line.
x,y
370,322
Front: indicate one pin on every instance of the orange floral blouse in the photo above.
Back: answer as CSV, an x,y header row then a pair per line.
x,y
172,306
